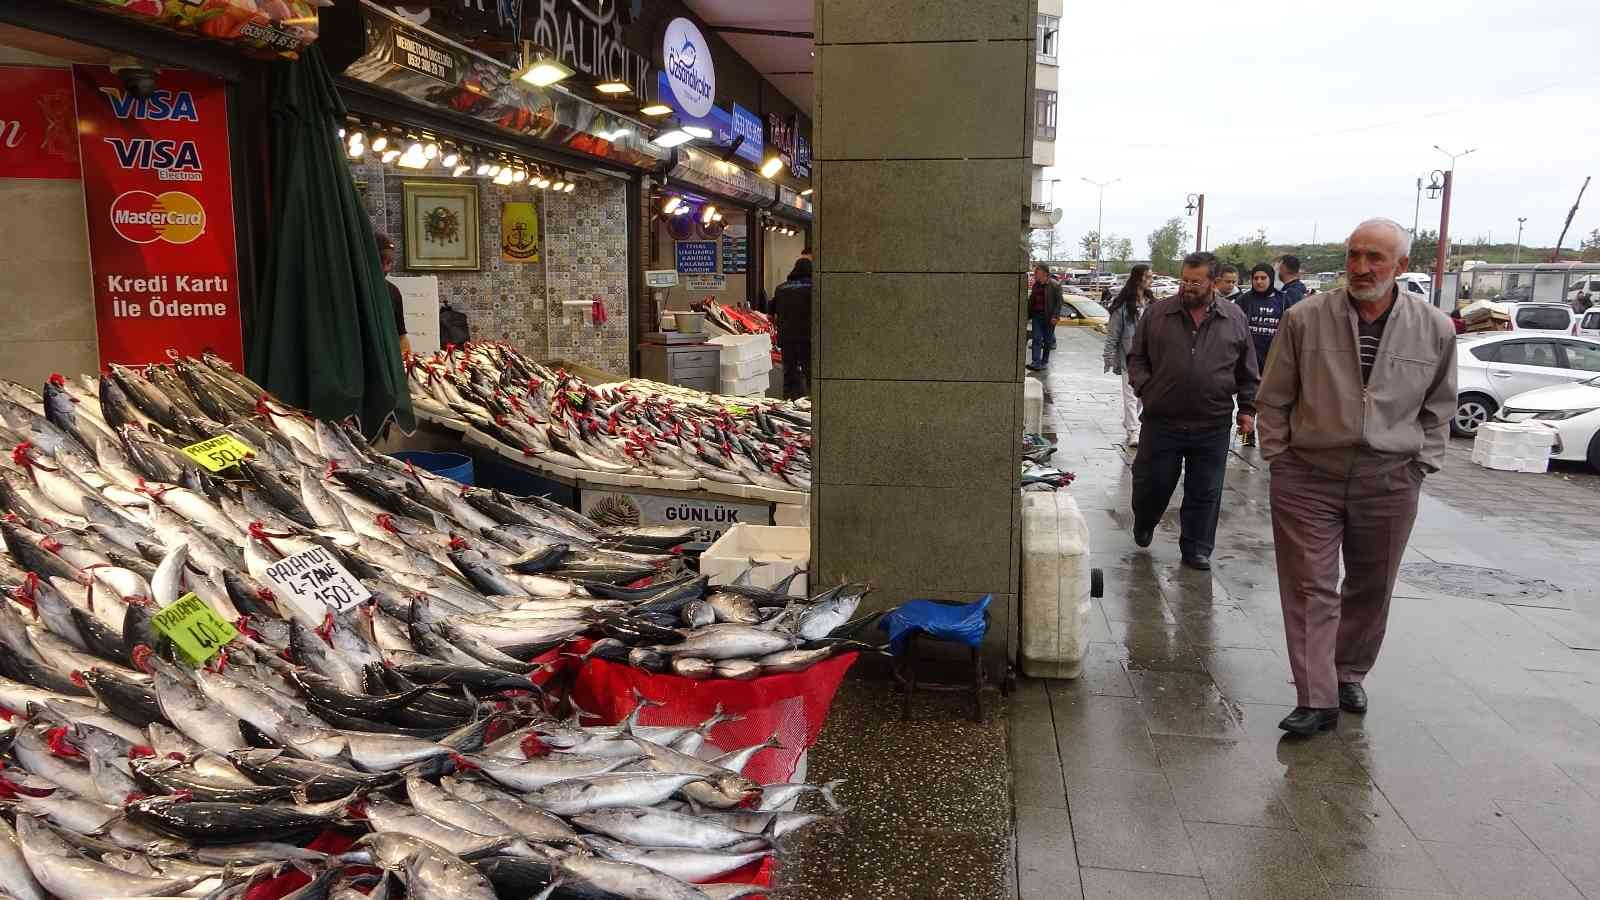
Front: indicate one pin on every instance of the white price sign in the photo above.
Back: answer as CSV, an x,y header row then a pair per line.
x,y
316,576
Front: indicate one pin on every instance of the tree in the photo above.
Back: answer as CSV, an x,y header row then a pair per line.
x,y
1424,250
1089,243
1166,246
1591,246
1119,249
1247,251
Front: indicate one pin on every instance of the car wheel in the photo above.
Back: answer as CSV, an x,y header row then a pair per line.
x,y
1594,452
1472,410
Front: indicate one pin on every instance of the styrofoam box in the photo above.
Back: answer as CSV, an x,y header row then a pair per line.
x,y
746,369
792,514
783,549
1056,583
755,386
1032,406
739,347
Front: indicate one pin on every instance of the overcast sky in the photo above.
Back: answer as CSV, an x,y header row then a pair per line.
x,y
1313,115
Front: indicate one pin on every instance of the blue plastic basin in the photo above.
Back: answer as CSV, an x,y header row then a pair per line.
x,y
454,466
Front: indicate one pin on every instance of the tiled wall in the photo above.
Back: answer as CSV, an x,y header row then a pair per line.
x,y
584,253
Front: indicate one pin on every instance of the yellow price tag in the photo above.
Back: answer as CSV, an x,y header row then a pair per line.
x,y
221,452
195,629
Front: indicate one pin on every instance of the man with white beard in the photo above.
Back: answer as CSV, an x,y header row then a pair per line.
x,y
1354,411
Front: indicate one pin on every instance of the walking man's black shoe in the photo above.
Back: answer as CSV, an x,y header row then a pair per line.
x,y
1306,721
1352,697
1143,536
1198,562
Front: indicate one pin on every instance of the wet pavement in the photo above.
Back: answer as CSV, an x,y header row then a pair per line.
x,y
1162,773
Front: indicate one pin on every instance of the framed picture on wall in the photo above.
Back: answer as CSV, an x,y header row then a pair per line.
x,y
441,224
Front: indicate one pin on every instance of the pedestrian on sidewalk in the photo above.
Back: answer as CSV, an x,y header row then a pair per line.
x,y
1355,412
1228,282
1191,356
1294,290
1044,311
1264,307
791,312
1125,311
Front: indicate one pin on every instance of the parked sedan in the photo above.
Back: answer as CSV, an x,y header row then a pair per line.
x,y
1493,367
1077,310
1571,410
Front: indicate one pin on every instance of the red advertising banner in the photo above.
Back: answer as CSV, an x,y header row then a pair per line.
x,y
159,196
36,127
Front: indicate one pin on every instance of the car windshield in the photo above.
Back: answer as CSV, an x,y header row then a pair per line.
x,y
1090,308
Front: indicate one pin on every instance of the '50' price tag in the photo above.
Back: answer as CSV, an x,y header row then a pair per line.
x,y
221,452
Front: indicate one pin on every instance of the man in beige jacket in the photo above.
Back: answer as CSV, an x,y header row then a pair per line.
x,y
1354,410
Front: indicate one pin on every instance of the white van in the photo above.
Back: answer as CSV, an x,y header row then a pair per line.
x,y
1416,283
1584,284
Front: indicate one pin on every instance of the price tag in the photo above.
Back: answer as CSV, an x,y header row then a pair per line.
x,y
316,575
221,452
195,629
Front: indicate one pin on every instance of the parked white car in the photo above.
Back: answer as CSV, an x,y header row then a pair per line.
x,y
1552,317
1494,367
1589,325
1571,410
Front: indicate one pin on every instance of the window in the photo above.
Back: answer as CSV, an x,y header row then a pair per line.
x,y
1544,318
1585,357
1487,352
1529,353
1044,115
1045,36
1591,321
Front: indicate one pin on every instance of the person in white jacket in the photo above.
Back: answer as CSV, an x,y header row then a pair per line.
x,y
1125,310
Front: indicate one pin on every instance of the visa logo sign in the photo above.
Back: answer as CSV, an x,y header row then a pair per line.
x,y
150,153
160,106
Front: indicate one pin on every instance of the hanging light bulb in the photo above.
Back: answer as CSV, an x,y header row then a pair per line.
x,y
519,176
671,205
558,186
707,214
390,155
483,168
504,177
380,142
431,150
451,158
570,187
460,170
357,150
495,170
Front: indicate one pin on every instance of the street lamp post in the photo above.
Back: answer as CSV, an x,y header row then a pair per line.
x,y
1052,204
1100,218
1443,181
1198,202
1416,214
1516,255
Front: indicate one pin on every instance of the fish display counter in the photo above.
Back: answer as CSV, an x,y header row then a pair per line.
x,y
242,652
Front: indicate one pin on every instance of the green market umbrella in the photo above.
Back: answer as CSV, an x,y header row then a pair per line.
x,y
324,336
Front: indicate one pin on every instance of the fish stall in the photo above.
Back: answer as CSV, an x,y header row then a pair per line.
x,y
245,654
651,451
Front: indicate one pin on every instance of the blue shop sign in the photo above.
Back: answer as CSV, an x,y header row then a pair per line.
x,y
748,125
696,257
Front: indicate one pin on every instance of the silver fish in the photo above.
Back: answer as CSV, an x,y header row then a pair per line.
x,y
64,872
688,865
566,798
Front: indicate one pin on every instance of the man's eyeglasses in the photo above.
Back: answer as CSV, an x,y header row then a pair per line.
x,y
1196,284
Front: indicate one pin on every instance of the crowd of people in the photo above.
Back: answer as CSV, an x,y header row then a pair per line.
x,y
1349,394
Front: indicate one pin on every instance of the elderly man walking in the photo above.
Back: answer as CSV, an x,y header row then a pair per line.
x,y
1355,409
1191,356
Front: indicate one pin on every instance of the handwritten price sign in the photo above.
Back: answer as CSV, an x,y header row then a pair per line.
x,y
195,629
316,574
221,452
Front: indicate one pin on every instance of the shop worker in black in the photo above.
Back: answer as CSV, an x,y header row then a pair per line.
x,y
1192,354
386,253
791,308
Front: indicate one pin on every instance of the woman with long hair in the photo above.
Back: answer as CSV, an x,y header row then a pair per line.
x,y
1125,310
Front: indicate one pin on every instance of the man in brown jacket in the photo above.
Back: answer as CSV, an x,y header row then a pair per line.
x,y
1355,407
1191,356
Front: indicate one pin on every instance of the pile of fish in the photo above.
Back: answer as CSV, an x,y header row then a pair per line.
x,y
632,428
736,320
415,723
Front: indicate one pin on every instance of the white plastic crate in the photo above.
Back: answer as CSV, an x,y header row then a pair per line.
x,y
745,369
1056,585
754,386
740,347
783,550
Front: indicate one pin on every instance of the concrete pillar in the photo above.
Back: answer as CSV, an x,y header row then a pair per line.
x,y
923,146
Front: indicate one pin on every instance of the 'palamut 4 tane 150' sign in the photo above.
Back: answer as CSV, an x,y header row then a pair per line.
x,y
158,195
271,27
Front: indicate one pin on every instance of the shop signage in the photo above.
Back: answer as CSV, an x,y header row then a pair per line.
x,y
591,41
696,257
781,132
272,27
159,201
316,576
219,453
38,135
802,158
194,628
735,251
747,125
414,52
661,278
519,232
687,65
705,284
709,518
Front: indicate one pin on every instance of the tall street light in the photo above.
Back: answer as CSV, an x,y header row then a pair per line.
x,y
1416,214
1516,255
1447,177
1100,217
1194,202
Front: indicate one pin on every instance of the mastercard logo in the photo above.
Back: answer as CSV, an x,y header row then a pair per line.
x,y
143,217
